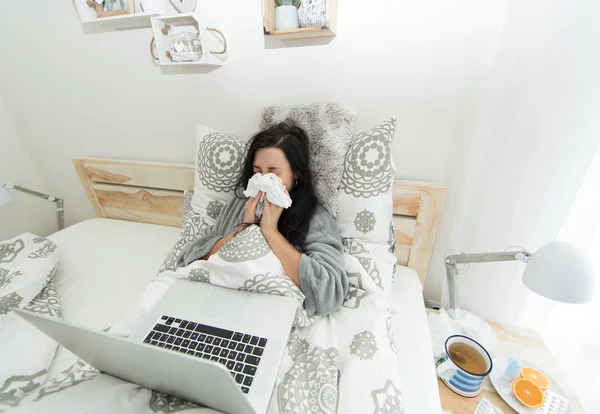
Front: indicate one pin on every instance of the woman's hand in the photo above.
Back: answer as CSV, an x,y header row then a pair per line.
x,y
250,209
270,217
281,247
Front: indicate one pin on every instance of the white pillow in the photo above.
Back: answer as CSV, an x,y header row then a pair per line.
x,y
27,265
219,163
366,205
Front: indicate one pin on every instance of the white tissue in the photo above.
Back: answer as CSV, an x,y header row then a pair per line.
x,y
271,186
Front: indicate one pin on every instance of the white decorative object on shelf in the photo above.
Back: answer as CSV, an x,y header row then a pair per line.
x,y
312,13
184,6
187,39
286,18
186,47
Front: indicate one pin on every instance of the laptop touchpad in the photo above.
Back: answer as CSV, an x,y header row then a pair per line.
x,y
224,305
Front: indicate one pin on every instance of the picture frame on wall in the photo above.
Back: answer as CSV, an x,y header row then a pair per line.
x,y
110,8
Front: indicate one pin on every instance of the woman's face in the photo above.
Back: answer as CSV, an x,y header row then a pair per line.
x,y
273,160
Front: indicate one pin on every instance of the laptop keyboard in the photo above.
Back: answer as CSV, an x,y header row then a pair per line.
x,y
239,352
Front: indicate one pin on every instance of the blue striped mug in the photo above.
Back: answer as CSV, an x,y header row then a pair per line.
x,y
457,378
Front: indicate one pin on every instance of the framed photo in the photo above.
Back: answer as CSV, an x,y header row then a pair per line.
x,y
110,8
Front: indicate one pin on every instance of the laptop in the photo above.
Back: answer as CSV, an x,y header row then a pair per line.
x,y
210,345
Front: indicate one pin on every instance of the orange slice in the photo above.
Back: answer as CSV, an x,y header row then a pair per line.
x,y
529,394
536,377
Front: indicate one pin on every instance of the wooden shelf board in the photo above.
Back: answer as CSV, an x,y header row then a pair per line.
x,y
187,64
180,19
124,21
302,33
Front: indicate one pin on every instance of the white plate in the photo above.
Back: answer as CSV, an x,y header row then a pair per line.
x,y
504,388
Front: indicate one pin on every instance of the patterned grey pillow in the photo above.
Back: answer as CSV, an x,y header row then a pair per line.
x,y
219,162
191,227
366,206
329,126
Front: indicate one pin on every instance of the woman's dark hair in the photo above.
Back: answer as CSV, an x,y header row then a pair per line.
x,y
293,141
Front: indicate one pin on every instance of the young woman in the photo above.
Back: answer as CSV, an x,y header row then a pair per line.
x,y
304,237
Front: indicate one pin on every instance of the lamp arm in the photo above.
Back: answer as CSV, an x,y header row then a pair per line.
x,y
468,258
451,273
58,202
30,192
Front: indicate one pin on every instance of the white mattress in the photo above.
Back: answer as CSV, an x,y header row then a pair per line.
x,y
413,344
111,261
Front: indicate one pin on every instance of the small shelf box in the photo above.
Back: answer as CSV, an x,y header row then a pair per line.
x,y
328,30
144,11
212,41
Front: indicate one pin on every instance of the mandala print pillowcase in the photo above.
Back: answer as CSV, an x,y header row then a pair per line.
x,y
219,163
366,204
192,224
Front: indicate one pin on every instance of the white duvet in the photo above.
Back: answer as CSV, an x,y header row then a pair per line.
x,y
344,362
27,267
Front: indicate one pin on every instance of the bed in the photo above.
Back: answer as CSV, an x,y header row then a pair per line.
x,y
139,207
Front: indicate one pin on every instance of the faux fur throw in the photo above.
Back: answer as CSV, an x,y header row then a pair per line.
x,y
330,127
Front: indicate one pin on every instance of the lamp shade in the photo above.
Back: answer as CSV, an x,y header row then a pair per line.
x,y
561,272
5,196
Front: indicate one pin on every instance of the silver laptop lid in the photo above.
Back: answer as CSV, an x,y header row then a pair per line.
x,y
197,380
255,323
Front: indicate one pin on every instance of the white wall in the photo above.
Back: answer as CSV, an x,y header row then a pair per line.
x,y
535,136
74,95
24,213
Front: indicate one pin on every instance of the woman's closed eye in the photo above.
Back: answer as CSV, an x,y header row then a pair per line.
x,y
274,170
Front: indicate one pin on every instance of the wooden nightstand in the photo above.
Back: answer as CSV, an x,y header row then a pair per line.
x,y
516,341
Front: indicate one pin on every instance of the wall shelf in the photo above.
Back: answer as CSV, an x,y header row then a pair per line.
x,y
213,42
151,8
328,30
302,33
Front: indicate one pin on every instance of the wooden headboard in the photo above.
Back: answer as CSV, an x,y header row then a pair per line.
x,y
151,192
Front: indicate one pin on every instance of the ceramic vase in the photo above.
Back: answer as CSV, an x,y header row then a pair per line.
x,y
286,18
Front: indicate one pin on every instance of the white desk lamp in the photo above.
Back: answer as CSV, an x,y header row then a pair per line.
x,y
59,203
557,271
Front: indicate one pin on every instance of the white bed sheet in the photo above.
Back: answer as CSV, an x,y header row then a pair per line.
x,y
413,344
99,254
107,261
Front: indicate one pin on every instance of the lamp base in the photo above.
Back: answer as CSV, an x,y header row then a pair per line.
x,y
473,326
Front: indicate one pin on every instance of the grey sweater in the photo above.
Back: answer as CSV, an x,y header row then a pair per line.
x,y
322,274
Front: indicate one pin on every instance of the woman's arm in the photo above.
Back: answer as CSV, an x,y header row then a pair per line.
x,y
223,241
213,238
281,247
249,219
319,272
322,266
286,253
